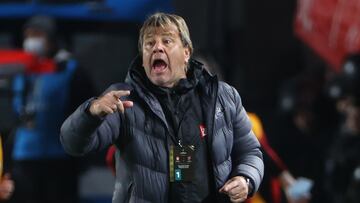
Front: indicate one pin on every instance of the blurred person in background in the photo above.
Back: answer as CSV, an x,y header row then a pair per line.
x,y
305,124
279,185
42,171
342,168
182,135
7,185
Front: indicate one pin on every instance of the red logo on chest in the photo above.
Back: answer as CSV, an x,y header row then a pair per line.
x,y
202,131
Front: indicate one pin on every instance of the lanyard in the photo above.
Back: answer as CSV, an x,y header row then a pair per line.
x,y
176,134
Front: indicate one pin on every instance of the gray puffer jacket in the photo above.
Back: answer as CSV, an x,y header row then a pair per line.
x,y
141,135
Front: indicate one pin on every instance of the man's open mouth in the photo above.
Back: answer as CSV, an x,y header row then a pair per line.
x,y
159,65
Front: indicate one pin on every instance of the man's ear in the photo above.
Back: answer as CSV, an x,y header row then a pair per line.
x,y
142,59
187,54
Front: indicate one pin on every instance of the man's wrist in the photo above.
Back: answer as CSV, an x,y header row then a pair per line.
x,y
88,105
250,185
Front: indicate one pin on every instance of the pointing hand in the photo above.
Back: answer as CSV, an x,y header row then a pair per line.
x,y
110,103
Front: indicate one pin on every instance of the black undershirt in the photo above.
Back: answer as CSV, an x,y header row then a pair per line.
x,y
182,109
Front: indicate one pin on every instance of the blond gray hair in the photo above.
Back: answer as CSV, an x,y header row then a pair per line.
x,y
163,20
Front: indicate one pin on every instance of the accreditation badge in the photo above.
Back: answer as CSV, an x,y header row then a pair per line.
x,y
182,163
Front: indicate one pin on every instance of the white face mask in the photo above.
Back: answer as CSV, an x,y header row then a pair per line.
x,y
34,45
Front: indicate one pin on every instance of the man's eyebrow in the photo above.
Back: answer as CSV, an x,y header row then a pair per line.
x,y
162,34
168,34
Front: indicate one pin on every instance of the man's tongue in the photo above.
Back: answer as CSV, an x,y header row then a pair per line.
x,y
159,66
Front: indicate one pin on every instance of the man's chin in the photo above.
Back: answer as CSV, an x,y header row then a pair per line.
x,y
161,83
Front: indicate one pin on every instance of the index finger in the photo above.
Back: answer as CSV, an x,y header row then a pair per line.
x,y
120,93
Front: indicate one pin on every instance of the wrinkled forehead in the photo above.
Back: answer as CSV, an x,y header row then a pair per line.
x,y
165,30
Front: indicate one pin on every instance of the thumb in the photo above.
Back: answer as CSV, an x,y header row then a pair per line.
x,y
222,189
227,186
127,104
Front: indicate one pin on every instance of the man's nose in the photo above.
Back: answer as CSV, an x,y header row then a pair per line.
x,y
159,47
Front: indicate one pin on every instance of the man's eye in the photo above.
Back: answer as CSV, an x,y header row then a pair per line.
x,y
149,43
167,41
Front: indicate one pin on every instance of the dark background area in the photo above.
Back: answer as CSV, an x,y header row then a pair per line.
x,y
254,43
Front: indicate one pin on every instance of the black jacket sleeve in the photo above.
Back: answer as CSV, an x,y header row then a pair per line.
x,y
82,133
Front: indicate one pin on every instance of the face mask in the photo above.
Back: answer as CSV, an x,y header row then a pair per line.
x,y
35,45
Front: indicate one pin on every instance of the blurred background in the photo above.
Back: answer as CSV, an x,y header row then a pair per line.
x,y
286,58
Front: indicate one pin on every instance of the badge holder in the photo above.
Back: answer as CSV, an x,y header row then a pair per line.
x,y
182,163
